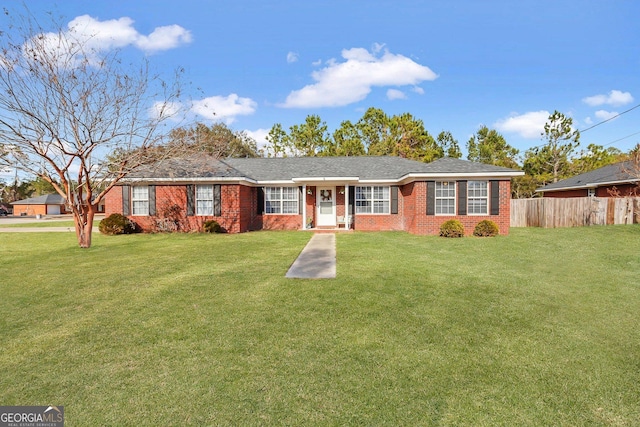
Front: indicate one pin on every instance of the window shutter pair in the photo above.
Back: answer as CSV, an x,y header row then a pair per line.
x,y
462,197
126,200
217,200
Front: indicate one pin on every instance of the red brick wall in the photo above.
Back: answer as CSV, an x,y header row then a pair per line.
x,y
418,222
568,193
281,222
378,222
239,211
605,191
29,210
236,216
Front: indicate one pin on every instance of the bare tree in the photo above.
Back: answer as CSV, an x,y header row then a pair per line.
x,y
65,106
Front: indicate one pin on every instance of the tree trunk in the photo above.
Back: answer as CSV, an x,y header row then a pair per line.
x,y
83,218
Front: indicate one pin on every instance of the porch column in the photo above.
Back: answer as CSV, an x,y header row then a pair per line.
x,y
347,214
304,206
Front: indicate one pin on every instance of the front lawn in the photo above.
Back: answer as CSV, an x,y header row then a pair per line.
x,y
536,328
42,224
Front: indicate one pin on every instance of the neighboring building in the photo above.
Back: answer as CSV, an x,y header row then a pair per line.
x,y
48,204
362,193
607,181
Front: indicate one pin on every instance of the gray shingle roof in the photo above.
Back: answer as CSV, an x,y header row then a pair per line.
x,y
46,199
364,168
202,166
610,174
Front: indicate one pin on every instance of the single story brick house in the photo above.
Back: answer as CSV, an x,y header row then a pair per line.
x,y
363,193
47,204
618,179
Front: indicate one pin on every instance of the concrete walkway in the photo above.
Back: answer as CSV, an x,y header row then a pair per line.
x,y
317,260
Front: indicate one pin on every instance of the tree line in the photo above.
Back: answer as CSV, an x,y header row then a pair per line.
x,y
379,134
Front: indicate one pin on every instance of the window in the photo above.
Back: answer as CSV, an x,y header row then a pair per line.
x,y
446,198
477,198
373,199
204,199
140,200
281,200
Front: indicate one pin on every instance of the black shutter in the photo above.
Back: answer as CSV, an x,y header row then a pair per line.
x,y
462,197
352,200
431,197
495,197
300,199
217,200
126,200
394,199
191,202
152,200
260,204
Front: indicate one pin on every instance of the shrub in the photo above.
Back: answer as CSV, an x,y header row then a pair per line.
x,y
117,224
452,228
212,226
486,228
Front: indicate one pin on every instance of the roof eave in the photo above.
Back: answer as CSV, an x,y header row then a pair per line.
x,y
189,180
586,186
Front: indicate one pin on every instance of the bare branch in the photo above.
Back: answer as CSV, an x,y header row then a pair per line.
x,y
65,107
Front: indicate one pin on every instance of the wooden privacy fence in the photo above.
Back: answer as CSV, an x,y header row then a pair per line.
x,y
574,212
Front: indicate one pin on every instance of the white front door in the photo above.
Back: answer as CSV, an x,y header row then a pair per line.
x,y
326,206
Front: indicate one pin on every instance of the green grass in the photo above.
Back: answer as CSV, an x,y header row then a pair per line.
x,y
41,223
536,328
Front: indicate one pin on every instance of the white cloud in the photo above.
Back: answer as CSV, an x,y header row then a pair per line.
x,y
343,83
260,136
528,125
615,98
292,57
224,108
317,63
605,115
97,36
418,90
165,109
395,94
163,38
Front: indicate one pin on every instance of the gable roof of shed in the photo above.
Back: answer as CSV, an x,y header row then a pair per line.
x,y
617,173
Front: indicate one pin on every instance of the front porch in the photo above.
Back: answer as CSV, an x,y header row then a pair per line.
x,y
327,206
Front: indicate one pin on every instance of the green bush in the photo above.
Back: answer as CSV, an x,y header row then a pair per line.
x,y
486,228
452,228
212,226
117,224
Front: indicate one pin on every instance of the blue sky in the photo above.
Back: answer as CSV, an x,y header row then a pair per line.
x,y
454,64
